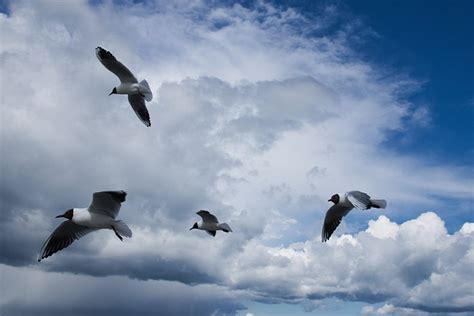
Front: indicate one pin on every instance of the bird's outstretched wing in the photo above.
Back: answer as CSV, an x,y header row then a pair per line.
x,y
211,232
207,217
107,202
333,218
359,199
62,237
112,64
138,105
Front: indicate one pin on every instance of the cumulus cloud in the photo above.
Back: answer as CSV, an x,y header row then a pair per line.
x,y
419,267
382,228
253,119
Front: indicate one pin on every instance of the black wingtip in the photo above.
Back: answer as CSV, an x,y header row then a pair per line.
x,y
122,196
104,54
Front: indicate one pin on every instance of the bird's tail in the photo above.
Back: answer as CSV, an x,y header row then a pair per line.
x,y
225,227
378,203
122,229
145,90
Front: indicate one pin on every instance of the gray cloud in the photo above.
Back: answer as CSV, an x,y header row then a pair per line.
x,y
57,293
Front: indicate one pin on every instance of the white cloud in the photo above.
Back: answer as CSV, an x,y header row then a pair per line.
x,y
382,228
389,309
421,267
467,228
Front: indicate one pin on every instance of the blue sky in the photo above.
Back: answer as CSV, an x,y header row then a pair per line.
x,y
261,111
428,41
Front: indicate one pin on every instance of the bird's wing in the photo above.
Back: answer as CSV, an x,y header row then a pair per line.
x,y
207,217
211,232
138,105
359,199
62,237
333,218
107,202
112,64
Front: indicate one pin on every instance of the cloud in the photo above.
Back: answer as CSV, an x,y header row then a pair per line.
x,y
389,309
419,266
47,293
253,120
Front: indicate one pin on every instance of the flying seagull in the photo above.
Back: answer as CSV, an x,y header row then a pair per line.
x,y
210,224
343,203
100,214
137,92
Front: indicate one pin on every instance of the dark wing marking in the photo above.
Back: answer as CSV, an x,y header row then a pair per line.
x,y
107,202
359,199
332,219
211,232
138,105
207,217
112,64
62,237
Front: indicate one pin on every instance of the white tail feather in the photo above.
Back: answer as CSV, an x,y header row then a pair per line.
x,y
122,229
145,90
225,227
378,203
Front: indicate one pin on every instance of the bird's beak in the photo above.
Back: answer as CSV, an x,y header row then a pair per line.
x,y
191,228
111,93
60,216
329,200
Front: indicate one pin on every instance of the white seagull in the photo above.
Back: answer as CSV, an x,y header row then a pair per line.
x,y
100,214
210,224
137,92
343,203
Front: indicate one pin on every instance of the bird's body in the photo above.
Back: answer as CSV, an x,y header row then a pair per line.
x,y
137,92
210,224
343,204
83,217
100,214
128,88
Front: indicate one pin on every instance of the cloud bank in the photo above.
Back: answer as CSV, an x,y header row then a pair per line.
x,y
414,266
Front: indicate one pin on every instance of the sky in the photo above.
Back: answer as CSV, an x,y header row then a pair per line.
x,y
262,110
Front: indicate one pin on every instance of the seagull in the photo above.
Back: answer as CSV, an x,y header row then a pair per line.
x,y
343,203
137,92
210,224
100,214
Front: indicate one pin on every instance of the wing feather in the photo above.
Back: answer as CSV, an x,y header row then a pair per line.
x,y
107,202
207,217
62,237
138,105
332,219
112,64
359,199
211,232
